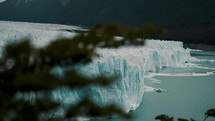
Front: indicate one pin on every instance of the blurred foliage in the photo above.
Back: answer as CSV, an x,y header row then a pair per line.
x,y
25,69
164,117
208,113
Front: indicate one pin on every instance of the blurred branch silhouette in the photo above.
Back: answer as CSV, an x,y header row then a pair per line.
x,y
25,69
208,113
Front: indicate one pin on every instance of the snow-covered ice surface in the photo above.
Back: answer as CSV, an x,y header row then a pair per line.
x,y
128,63
41,34
2,1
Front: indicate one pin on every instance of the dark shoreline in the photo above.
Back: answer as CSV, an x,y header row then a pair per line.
x,y
200,46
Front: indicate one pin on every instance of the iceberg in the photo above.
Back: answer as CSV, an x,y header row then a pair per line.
x,y
129,63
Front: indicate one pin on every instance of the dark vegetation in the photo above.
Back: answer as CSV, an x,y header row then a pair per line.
x,y
25,69
208,113
191,21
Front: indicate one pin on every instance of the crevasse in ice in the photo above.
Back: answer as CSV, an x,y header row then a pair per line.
x,y
128,63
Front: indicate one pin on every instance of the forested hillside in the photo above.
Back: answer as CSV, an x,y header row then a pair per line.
x,y
187,20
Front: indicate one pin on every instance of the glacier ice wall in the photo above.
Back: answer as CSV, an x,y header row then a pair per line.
x,y
128,63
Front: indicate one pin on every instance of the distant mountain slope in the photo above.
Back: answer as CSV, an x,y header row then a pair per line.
x,y
189,20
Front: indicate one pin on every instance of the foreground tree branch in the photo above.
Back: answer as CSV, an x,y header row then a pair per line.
x,y
25,69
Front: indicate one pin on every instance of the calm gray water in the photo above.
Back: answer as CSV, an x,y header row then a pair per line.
x,y
190,92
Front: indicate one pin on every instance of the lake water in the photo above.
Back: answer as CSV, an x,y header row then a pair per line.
x,y
190,91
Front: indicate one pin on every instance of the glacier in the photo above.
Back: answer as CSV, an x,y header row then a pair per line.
x,y
129,63
40,34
